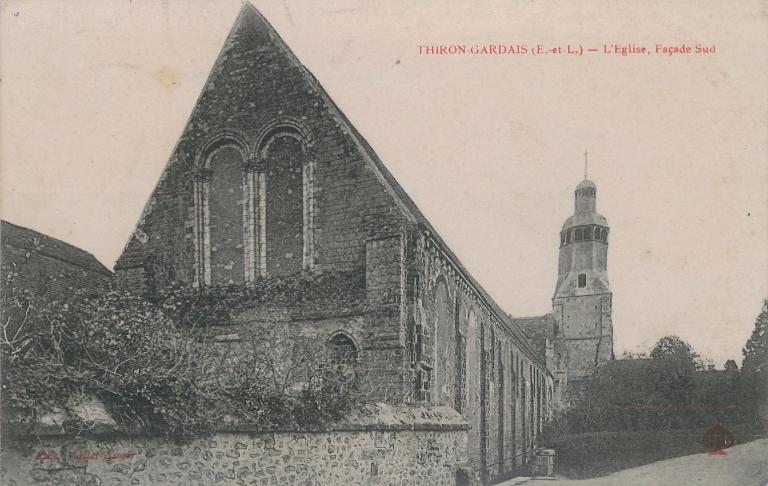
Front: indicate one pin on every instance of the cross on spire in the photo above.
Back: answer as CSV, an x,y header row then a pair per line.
x,y
585,163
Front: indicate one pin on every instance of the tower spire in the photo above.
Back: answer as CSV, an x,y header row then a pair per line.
x,y
585,163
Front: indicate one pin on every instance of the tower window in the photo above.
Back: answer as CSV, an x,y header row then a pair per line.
x,y
568,236
578,234
588,233
582,280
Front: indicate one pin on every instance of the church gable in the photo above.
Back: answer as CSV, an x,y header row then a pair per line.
x,y
267,179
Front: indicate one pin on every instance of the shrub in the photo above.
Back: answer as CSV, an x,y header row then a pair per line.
x,y
152,373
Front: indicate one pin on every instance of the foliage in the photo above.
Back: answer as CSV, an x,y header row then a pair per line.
x,y
659,393
216,305
756,349
633,355
151,373
281,383
754,369
730,365
115,347
675,349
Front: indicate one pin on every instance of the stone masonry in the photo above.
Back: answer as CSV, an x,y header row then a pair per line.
x,y
429,452
271,184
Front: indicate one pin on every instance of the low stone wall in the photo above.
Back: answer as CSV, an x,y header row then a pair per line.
x,y
428,451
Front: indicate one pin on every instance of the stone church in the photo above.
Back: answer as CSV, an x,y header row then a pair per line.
x,y
577,337
270,182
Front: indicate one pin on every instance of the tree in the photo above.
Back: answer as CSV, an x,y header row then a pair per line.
x,y
731,365
680,362
674,348
754,369
756,349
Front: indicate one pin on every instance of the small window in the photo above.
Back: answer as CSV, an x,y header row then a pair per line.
x,y
342,350
588,233
578,234
562,239
568,236
582,280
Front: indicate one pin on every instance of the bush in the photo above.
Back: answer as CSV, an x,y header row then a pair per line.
x,y
152,373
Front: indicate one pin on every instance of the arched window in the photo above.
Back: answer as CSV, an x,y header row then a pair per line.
x,y
444,359
226,215
254,213
219,211
284,223
342,350
472,363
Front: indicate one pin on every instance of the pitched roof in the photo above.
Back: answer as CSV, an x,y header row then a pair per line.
x,y
401,197
537,329
36,242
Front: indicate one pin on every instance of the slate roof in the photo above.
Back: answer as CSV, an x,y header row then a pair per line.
x,y
579,219
36,242
537,329
586,183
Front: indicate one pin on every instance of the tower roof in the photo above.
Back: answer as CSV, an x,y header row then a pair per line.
x,y
580,219
586,183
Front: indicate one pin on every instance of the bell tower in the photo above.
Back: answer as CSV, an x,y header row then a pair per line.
x,y
582,300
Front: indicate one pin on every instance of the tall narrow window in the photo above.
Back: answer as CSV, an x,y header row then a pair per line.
x,y
582,280
225,216
444,359
461,358
423,383
284,225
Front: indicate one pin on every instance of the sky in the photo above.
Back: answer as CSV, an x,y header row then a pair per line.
x,y
94,95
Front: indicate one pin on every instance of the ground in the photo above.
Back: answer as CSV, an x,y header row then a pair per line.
x,y
744,465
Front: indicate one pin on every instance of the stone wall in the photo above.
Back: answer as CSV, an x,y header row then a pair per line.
x,y
409,311
430,449
380,365
476,360
259,98
586,332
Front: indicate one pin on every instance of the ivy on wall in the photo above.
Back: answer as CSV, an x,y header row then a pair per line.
x,y
217,305
152,372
